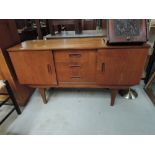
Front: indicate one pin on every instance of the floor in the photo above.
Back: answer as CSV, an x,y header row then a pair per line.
x,y
83,111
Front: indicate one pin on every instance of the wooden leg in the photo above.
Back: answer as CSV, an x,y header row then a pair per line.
x,y
43,95
113,96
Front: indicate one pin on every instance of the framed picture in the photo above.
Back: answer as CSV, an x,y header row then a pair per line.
x,y
127,30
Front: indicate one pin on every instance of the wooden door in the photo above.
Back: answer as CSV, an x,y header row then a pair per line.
x,y
120,66
34,67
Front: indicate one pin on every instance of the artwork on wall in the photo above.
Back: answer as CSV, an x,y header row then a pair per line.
x,y
127,30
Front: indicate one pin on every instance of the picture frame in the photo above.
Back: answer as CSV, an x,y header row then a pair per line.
x,y
127,31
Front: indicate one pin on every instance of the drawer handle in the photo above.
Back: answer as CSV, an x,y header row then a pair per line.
x,y
75,55
49,69
75,77
75,66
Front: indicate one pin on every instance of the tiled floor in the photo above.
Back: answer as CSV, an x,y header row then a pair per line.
x,y
83,111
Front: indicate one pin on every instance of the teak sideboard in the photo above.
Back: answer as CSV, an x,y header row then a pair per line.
x,y
78,63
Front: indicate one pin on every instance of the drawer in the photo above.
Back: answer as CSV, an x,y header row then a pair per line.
x,y
72,55
75,72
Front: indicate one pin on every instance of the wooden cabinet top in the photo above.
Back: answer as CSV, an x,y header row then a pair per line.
x,y
59,44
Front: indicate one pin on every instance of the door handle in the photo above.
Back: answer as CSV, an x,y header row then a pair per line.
x,y
49,68
103,67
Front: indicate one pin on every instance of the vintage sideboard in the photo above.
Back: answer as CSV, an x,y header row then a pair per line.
x,y
78,63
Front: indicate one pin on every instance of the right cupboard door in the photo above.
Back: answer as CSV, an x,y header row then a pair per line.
x,y
120,66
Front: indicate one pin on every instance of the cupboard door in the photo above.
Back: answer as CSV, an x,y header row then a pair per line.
x,y
120,66
34,67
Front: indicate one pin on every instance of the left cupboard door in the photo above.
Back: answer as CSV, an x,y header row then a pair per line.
x,y
34,67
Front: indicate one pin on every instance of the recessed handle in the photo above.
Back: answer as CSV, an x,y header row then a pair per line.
x,y
75,77
49,68
75,66
103,67
75,55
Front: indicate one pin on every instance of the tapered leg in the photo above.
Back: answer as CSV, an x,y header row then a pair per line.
x,y
43,95
113,96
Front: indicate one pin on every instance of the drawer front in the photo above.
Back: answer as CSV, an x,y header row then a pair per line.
x,y
78,69
71,56
67,72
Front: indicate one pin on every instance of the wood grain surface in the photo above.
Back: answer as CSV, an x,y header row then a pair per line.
x,y
58,44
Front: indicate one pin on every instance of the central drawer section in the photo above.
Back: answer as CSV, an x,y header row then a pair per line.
x,y
75,66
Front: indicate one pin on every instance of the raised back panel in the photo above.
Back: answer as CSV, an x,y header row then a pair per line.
x,y
9,35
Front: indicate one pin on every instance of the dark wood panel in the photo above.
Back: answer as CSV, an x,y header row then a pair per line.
x,y
89,24
9,35
67,24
